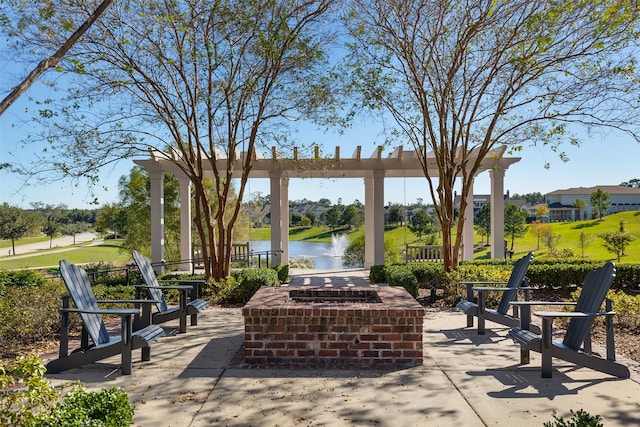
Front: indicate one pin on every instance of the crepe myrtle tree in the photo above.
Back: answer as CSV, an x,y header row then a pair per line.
x,y
460,78
195,81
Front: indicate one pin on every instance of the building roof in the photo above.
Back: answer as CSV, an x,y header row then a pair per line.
x,y
609,189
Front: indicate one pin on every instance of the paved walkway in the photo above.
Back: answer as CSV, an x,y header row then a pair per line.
x,y
59,244
196,379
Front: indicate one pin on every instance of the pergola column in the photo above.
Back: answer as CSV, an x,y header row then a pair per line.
x,y
374,219
497,212
467,234
185,223
284,231
275,178
157,219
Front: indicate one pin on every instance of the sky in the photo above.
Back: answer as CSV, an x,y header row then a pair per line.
x,y
600,160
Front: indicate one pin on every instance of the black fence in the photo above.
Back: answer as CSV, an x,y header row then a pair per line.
x,y
130,272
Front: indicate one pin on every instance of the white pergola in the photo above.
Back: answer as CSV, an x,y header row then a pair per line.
x,y
279,170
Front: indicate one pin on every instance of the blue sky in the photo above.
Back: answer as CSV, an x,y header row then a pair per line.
x,y
607,159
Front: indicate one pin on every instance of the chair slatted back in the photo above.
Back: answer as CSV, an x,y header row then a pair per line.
x,y
594,290
150,279
79,287
517,276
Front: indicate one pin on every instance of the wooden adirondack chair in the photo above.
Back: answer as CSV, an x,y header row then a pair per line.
x,y
102,346
509,293
576,346
187,288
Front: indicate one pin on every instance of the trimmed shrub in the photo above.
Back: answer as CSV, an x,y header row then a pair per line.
x,y
400,275
243,284
29,314
283,272
378,273
20,279
425,272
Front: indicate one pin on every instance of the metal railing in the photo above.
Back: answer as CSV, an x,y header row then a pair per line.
x,y
130,272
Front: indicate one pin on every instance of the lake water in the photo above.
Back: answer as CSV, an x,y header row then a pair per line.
x,y
317,251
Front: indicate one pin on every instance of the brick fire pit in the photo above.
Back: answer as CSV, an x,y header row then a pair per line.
x,y
346,327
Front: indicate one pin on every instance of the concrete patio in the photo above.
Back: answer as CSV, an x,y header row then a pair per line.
x,y
199,379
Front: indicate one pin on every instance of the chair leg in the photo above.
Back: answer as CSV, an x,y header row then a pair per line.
x,y
146,353
547,350
127,343
194,320
183,311
470,299
481,311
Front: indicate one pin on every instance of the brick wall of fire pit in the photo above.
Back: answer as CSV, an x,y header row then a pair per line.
x,y
377,327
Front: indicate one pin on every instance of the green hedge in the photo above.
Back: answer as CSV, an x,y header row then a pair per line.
x,y
401,275
243,284
542,274
283,272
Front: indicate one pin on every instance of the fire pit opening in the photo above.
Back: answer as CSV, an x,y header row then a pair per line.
x,y
333,295
333,327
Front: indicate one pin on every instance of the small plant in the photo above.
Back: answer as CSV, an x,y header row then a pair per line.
x,y
578,419
28,399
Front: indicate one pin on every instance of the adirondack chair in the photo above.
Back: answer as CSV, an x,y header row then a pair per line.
x,y
102,346
187,288
576,346
509,293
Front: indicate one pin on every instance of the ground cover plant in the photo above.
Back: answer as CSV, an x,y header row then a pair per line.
x,y
27,399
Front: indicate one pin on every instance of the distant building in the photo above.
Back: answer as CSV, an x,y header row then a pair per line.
x,y
479,200
562,208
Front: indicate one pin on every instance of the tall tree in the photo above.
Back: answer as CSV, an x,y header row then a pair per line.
x,y
600,202
581,205
515,222
51,228
194,81
542,211
633,183
112,217
539,229
396,214
14,224
421,223
461,78
482,221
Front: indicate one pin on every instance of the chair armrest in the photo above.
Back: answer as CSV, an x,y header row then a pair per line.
x,y
118,311
483,283
570,314
128,301
542,303
565,314
489,288
194,283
